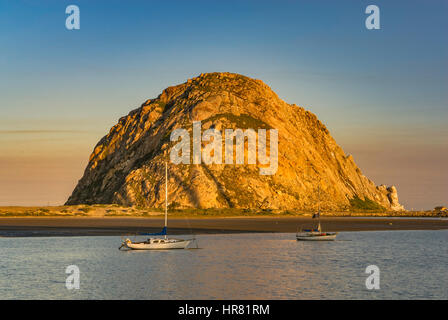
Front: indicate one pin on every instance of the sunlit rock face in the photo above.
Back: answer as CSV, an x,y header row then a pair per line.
x,y
127,166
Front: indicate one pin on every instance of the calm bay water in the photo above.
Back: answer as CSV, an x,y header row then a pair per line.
x,y
413,264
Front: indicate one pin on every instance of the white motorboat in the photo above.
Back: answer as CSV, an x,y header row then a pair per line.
x,y
159,243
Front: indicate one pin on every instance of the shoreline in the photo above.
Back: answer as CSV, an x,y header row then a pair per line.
x,y
118,226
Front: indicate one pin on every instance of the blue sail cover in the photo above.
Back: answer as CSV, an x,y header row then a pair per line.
x,y
162,233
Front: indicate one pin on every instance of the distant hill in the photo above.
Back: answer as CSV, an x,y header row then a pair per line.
x,y
127,165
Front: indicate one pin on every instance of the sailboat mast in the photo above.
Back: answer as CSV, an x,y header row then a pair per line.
x,y
318,200
318,207
166,195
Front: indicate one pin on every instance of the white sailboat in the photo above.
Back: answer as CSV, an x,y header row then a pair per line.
x,y
316,234
161,243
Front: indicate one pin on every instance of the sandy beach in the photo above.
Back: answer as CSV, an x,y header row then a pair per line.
x,y
93,226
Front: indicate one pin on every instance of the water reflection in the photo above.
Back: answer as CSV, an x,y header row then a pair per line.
x,y
240,266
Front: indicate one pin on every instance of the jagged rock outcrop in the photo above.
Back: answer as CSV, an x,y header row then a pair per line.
x,y
392,195
127,165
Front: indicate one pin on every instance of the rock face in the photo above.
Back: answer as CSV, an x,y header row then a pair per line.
x,y
392,195
127,165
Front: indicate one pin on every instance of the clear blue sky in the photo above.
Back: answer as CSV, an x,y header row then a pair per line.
x,y
382,93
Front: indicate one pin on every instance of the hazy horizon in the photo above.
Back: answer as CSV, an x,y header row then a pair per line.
x,y
381,93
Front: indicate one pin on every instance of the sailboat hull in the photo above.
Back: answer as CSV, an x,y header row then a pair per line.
x,y
316,236
159,245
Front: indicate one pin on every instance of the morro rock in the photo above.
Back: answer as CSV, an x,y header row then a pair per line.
x,y
127,165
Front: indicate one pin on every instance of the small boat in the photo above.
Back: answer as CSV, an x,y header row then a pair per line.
x,y
160,243
316,234
156,244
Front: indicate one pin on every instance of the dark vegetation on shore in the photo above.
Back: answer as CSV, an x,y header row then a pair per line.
x,y
366,205
358,208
